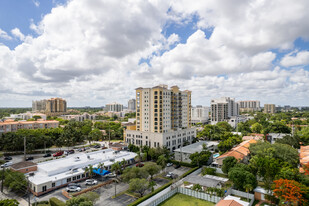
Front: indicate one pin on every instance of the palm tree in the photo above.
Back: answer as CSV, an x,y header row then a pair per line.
x,y
152,184
122,164
115,168
248,188
101,167
89,170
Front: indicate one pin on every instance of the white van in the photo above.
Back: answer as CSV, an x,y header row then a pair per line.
x,y
7,164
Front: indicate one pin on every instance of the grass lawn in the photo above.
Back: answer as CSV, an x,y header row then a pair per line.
x,y
185,200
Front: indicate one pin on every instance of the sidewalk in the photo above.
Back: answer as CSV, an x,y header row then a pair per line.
x,y
8,195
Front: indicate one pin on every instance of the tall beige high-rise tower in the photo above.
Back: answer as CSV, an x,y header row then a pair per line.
x,y
162,114
161,110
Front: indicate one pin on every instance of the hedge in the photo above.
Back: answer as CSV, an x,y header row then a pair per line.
x,y
56,202
142,199
185,164
40,203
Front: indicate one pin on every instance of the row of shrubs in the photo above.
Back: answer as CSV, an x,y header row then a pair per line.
x,y
142,199
185,164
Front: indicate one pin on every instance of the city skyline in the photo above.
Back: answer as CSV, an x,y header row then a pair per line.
x,y
244,50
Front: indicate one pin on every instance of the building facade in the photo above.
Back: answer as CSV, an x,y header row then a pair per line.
x,y
199,114
163,118
132,105
113,107
249,106
269,108
53,106
80,117
13,126
222,109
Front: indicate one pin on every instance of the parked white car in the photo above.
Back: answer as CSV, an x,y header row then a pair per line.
x,y
73,189
7,164
169,164
111,175
91,182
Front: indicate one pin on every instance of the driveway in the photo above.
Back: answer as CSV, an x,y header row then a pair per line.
x,y
107,191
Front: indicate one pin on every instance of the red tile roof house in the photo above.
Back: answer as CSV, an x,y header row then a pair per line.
x,y
303,157
240,152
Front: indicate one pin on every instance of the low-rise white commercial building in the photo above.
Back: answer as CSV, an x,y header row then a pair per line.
x,y
80,117
183,154
54,174
171,140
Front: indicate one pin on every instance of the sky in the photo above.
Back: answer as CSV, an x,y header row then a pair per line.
x,y
96,52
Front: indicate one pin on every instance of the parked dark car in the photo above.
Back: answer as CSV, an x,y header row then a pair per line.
x,y
71,151
97,146
8,158
177,166
29,158
47,155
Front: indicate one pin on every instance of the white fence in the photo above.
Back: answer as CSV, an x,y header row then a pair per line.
x,y
189,192
199,195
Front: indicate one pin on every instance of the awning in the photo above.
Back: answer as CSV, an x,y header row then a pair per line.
x,y
100,171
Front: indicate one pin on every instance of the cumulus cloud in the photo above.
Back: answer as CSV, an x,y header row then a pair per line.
x,y
4,35
17,33
295,59
99,51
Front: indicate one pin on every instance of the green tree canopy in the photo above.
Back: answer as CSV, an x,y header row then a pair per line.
x,y
138,185
228,163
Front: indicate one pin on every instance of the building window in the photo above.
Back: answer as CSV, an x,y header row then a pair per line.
x,y
69,180
78,177
74,178
44,188
83,175
53,184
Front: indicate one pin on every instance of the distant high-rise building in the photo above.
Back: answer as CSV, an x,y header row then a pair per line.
x,y
132,105
50,106
249,106
269,108
114,107
199,114
223,109
163,118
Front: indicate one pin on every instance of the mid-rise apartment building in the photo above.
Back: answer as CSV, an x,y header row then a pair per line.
x,y
132,105
53,106
163,118
249,106
222,109
200,114
269,108
113,107
13,126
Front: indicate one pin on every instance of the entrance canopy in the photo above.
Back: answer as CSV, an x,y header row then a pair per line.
x,y
100,171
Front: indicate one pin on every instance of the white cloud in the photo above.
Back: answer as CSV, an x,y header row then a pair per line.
x,y
36,3
295,59
4,35
17,33
89,52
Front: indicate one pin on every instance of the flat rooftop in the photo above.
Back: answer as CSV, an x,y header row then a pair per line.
x,y
66,167
196,147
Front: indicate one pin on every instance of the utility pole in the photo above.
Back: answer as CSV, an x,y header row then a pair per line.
x,y
2,179
24,148
109,128
28,191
